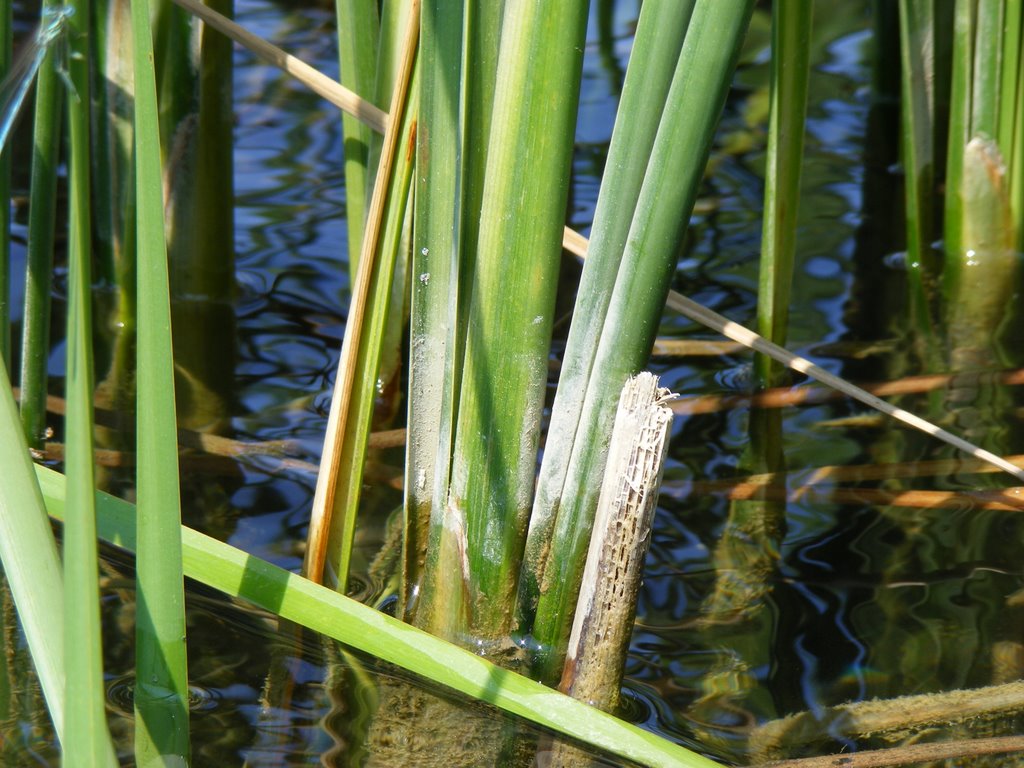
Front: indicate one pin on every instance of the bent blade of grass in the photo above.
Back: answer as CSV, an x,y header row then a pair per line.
x,y
294,598
28,553
161,677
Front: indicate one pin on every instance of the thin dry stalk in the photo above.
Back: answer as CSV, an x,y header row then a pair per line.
x,y
781,397
319,83
911,754
889,719
323,499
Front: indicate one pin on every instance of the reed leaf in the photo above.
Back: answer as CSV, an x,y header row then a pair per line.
x,y
112,145
395,18
86,741
694,103
323,610
28,554
161,676
988,68
1011,114
433,347
452,154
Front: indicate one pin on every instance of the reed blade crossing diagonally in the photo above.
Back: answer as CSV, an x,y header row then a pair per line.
x,y
16,85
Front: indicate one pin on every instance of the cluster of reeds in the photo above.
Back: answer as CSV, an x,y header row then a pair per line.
x,y
457,209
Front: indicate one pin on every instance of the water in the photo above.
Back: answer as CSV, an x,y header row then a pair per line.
x,y
854,599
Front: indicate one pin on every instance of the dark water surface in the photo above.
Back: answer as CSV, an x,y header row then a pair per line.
x,y
837,601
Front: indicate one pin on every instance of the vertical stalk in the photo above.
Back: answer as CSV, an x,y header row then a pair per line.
x,y
659,38
161,685
695,99
335,502
988,68
358,30
86,740
435,295
112,170
790,67
35,348
6,45
512,300
1011,114
917,34
448,230
959,123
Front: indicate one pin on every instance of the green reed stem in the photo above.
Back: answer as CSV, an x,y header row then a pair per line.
x,y
6,47
464,42
917,35
358,31
659,38
161,685
699,87
790,69
436,247
35,345
1011,114
986,87
959,123
391,249
512,301
87,742
394,20
113,171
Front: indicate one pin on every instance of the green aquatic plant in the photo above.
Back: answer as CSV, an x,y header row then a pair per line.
x,y
481,208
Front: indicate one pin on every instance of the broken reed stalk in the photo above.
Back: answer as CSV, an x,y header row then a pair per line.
x,y
603,622
622,525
